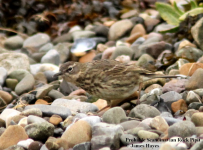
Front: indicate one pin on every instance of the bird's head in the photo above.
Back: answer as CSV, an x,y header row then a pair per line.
x,y
70,71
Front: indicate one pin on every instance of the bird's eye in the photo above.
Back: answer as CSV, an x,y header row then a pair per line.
x,y
69,69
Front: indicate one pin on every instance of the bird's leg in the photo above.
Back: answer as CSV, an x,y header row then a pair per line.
x,y
140,87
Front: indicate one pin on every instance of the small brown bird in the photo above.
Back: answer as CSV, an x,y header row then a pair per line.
x,y
106,79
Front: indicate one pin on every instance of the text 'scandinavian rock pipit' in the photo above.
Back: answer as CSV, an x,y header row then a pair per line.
x,y
106,79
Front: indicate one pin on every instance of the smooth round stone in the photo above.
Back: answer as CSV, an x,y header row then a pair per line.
x,y
53,143
11,83
25,85
46,47
127,125
55,119
182,129
48,110
14,42
43,90
147,135
119,28
195,105
195,82
12,135
14,61
177,85
106,135
75,105
79,132
55,94
114,115
82,146
25,143
197,146
41,131
6,96
35,68
122,50
8,112
144,111
170,97
36,41
36,145
189,114
135,130
66,37
197,118
18,74
101,30
187,51
192,97
179,105
196,32
82,34
159,124
52,57
92,120
35,119
63,50
3,75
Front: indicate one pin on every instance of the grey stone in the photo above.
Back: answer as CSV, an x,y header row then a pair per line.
x,y
37,40
143,111
48,110
147,135
182,129
63,50
82,34
14,42
122,50
52,56
25,85
55,94
114,115
32,111
106,135
46,47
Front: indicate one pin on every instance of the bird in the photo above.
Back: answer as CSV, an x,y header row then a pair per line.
x,y
107,79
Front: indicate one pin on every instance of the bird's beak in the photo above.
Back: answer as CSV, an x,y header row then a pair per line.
x,y
57,74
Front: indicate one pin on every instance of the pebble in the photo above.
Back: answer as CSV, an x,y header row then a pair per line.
x,y
79,132
36,41
25,85
43,91
119,28
52,57
147,135
46,47
75,105
179,105
63,50
35,68
36,145
11,83
12,135
195,81
14,42
51,110
14,61
55,119
143,111
114,115
182,129
6,96
35,119
197,118
82,146
8,112
92,120
42,131
106,135
18,74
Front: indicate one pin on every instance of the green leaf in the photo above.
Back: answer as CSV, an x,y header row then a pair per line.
x,y
192,12
180,12
168,13
193,4
170,30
